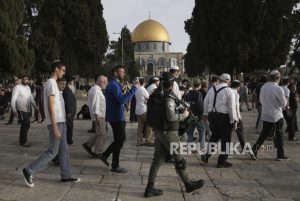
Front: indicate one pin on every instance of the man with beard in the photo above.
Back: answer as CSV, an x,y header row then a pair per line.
x,y
21,105
115,104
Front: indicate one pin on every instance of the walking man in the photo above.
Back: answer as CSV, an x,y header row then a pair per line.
x,y
97,107
21,102
70,106
115,105
163,139
272,99
220,109
56,122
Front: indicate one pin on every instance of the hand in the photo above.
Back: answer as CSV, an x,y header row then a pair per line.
x,y
204,118
99,121
69,116
15,114
56,133
234,126
186,113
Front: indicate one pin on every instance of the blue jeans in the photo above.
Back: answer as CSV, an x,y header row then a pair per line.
x,y
59,147
201,130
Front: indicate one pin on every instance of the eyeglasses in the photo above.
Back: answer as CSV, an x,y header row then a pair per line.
x,y
64,70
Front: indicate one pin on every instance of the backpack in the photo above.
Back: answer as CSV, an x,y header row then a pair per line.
x,y
155,117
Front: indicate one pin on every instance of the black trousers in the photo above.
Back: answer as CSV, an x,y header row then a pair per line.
x,y
291,124
115,147
240,134
268,127
69,123
25,125
220,127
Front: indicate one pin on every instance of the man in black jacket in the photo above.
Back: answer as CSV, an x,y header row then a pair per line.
x,y
70,107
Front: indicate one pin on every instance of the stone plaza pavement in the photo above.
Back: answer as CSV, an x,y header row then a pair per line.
x,y
265,179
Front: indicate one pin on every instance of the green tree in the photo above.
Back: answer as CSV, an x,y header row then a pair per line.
x,y
239,35
15,56
73,31
295,57
115,54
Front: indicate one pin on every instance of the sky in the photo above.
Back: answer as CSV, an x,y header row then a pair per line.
x,y
170,13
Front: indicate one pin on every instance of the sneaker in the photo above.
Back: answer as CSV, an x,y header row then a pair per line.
x,y
104,159
26,144
55,160
119,170
28,178
150,192
76,180
293,139
224,165
284,158
87,148
191,186
253,154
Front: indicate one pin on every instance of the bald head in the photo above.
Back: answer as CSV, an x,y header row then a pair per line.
x,y
102,81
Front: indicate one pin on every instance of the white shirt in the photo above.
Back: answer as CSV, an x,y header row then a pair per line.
x,y
22,98
141,96
272,99
225,102
237,103
286,91
96,102
151,88
51,89
176,90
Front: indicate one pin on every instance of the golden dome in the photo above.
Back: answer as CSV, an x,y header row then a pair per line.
x,y
150,30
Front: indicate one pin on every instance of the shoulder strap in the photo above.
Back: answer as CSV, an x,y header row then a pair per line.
x,y
215,98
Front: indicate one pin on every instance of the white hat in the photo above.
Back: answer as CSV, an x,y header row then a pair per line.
x,y
174,68
155,79
274,72
236,81
225,77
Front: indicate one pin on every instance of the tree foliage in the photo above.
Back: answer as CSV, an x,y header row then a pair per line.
x,y
115,54
15,57
73,31
240,35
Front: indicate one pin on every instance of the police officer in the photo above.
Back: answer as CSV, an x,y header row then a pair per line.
x,y
163,138
220,109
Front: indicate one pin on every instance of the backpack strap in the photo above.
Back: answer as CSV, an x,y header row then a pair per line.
x,y
215,98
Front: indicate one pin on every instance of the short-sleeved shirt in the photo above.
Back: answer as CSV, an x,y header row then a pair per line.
x,y
51,89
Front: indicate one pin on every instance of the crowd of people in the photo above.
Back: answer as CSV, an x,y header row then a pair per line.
x,y
160,107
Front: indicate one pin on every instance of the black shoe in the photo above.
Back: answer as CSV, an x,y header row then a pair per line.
x,y
283,158
293,139
253,154
104,159
224,165
55,160
193,185
26,144
91,131
119,170
8,123
28,178
87,148
150,192
204,158
76,180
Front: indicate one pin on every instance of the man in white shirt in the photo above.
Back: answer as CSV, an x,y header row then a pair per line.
x,y
220,109
153,86
175,72
97,106
142,96
21,102
272,99
56,122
